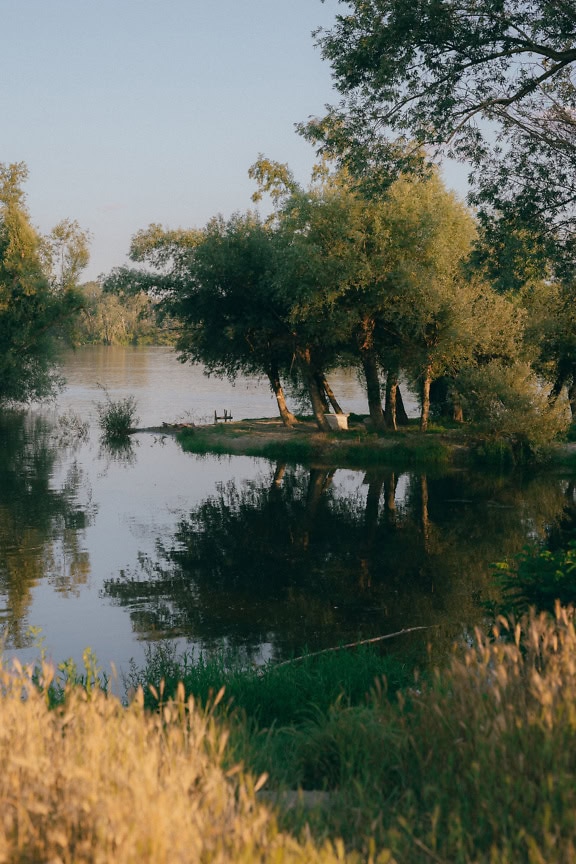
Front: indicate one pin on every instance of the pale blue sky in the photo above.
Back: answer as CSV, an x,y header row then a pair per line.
x,y
129,112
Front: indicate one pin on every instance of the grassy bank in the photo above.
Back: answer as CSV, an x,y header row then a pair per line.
x,y
474,763
305,444
441,445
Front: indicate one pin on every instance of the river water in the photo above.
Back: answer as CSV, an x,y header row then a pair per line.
x,y
116,550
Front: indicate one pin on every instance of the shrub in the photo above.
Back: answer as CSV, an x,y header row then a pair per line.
x,y
117,417
508,405
538,577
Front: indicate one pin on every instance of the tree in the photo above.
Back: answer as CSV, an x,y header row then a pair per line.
x,y
31,312
217,284
64,254
383,279
489,82
551,332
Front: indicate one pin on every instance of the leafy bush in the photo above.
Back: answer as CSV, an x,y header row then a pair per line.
x,y
508,404
538,577
117,417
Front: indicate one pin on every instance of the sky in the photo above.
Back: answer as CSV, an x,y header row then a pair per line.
x,y
129,112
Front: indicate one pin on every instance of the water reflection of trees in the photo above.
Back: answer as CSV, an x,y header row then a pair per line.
x,y
291,560
40,521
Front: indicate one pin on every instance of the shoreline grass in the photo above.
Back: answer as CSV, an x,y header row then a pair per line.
x,y
440,446
473,763
344,449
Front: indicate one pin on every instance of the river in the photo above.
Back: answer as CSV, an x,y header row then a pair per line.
x,y
117,550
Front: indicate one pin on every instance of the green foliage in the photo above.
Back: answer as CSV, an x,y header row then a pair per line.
x,y
117,417
119,319
539,578
33,309
57,684
282,694
491,84
507,403
64,253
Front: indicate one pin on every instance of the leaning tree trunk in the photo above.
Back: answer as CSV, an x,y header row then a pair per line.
x,y
288,418
320,383
329,393
425,413
311,383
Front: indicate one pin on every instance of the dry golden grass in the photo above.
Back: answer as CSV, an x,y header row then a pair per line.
x,y
97,782
477,766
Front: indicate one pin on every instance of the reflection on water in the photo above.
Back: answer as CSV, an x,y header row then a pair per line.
x,y
292,559
41,527
114,548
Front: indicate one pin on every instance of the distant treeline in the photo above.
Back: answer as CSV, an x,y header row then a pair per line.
x,y
107,319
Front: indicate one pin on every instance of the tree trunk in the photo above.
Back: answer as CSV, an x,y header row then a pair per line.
x,y
311,384
458,413
391,400
425,413
401,416
371,374
331,396
572,395
320,383
287,416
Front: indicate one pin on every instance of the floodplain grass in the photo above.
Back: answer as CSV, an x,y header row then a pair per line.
x,y
473,763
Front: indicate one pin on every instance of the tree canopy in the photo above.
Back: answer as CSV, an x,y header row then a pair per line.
x,y
489,82
334,277
33,307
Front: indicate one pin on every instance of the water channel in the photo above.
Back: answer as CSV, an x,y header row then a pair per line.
x,y
117,550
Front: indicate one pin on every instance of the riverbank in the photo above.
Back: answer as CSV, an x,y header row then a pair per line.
x,y
356,446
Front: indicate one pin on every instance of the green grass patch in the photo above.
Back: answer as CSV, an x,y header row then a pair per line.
x,y
272,694
352,448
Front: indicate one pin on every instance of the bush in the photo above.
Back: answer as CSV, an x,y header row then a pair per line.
x,y
509,405
116,417
538,577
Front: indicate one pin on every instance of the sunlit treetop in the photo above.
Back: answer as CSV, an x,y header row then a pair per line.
x,y
489,82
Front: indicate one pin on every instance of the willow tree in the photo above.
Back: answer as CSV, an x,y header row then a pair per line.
x,y
216,284
381,278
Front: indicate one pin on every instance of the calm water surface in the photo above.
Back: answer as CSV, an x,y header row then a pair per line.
x,y
114,550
